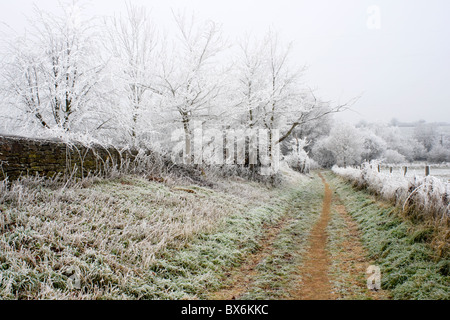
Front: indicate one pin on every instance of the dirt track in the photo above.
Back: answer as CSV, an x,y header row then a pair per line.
x,y
243,277
316,283
313,279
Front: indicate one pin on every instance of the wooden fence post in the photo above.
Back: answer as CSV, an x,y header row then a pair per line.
x,y
427,171
390,170
405,170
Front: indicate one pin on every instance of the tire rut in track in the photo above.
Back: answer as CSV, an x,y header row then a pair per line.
x,y
244,277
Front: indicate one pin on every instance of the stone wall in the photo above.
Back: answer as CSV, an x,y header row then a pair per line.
x,y
23,156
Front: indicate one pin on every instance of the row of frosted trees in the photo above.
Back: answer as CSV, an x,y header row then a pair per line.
x,y
122,80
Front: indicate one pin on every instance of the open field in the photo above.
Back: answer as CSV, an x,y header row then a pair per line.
x,y
439,171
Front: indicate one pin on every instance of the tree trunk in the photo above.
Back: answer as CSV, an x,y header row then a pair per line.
x,y
187,140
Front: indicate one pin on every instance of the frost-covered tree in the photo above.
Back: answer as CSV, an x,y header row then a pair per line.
x,y
374,146
426,134
133,42
51,74
322,154
270,94
189,77
439,153
396,140
317,128
251,82
284,95
345,143
297,157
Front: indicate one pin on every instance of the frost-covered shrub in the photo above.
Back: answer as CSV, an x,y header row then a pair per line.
x,y
297,158
299,161
314,165
428,196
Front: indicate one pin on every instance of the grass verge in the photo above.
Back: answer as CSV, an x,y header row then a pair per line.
x,y
410,268
128,238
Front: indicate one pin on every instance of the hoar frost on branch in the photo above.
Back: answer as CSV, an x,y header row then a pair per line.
x,y
269,90
53,74
189,81
133,42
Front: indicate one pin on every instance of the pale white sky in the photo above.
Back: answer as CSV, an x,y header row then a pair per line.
x,y
402,69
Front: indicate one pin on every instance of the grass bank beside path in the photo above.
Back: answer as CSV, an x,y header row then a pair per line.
x,y
410,268
130,238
